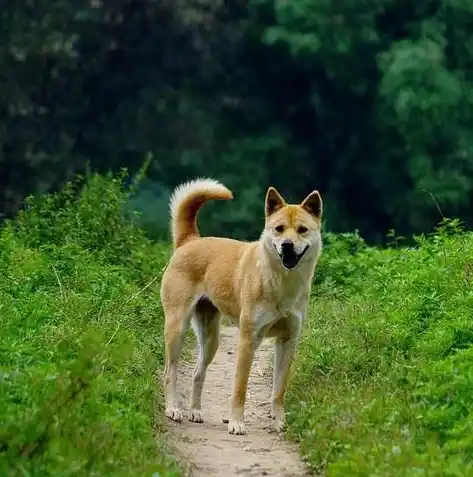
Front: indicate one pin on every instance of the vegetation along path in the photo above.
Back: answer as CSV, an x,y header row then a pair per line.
x,y
207,449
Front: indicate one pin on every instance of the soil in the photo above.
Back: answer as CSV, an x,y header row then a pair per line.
x,y
208,450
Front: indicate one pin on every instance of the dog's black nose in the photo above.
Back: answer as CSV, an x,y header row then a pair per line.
x,y
287,246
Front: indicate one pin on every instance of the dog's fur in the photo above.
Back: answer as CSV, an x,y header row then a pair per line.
x,y
260,285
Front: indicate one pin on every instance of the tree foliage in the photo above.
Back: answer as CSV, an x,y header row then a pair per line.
x,y
370,102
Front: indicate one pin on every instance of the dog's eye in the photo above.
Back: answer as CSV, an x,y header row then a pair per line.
x,y
280,228
302,230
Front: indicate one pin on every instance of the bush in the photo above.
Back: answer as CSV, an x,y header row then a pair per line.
x,y
81,338
383,382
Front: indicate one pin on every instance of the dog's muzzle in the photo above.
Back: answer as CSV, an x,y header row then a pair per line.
x,y
288,255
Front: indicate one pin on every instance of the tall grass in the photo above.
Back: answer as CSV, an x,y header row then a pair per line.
x,y
384,379
80,338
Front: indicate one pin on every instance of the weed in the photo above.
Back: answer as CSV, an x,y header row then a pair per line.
x,y
384,381
81,338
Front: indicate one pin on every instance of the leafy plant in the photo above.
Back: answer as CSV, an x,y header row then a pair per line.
x,y
383,384
81,338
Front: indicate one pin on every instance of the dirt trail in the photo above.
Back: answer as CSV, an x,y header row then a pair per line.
x,y
207,450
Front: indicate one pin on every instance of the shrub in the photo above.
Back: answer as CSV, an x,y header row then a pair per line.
x,y
80,338
383,383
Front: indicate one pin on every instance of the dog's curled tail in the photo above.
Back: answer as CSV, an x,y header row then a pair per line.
x,y
186,200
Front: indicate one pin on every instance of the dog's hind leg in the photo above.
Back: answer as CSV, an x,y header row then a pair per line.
x,y
206,325
175,328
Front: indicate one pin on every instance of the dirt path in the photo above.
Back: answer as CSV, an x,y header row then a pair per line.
x,y
207,450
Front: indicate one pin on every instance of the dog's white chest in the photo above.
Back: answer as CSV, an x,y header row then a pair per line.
x,y
268,314
283,301
285,293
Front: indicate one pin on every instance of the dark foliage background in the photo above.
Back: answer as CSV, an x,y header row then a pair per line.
x,y
370,102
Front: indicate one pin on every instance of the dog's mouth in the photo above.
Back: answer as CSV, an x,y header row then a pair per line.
x,y
290,259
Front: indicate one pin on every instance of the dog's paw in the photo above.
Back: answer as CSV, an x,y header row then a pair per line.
x,y
279,425
195,415
174,414
237,428
279,421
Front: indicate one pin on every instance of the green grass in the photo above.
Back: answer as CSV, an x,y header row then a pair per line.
x,y
384,378
81,339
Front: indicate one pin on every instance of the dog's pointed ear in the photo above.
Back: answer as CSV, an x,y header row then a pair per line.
x,y
274,201
313,204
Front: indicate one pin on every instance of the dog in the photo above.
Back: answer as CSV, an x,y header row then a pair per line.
x,y
263,286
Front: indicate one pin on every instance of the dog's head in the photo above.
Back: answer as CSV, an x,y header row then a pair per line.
x,y
292,232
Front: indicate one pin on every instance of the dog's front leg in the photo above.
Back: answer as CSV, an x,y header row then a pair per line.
x,y
285,350
247,345
283,357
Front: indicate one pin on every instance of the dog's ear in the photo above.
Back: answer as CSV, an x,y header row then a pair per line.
x,y
313,204
274,201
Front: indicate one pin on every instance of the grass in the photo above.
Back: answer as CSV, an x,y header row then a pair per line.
x,y
81,339
384,379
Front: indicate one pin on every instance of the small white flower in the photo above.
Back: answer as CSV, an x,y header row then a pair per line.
x,y
396,450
